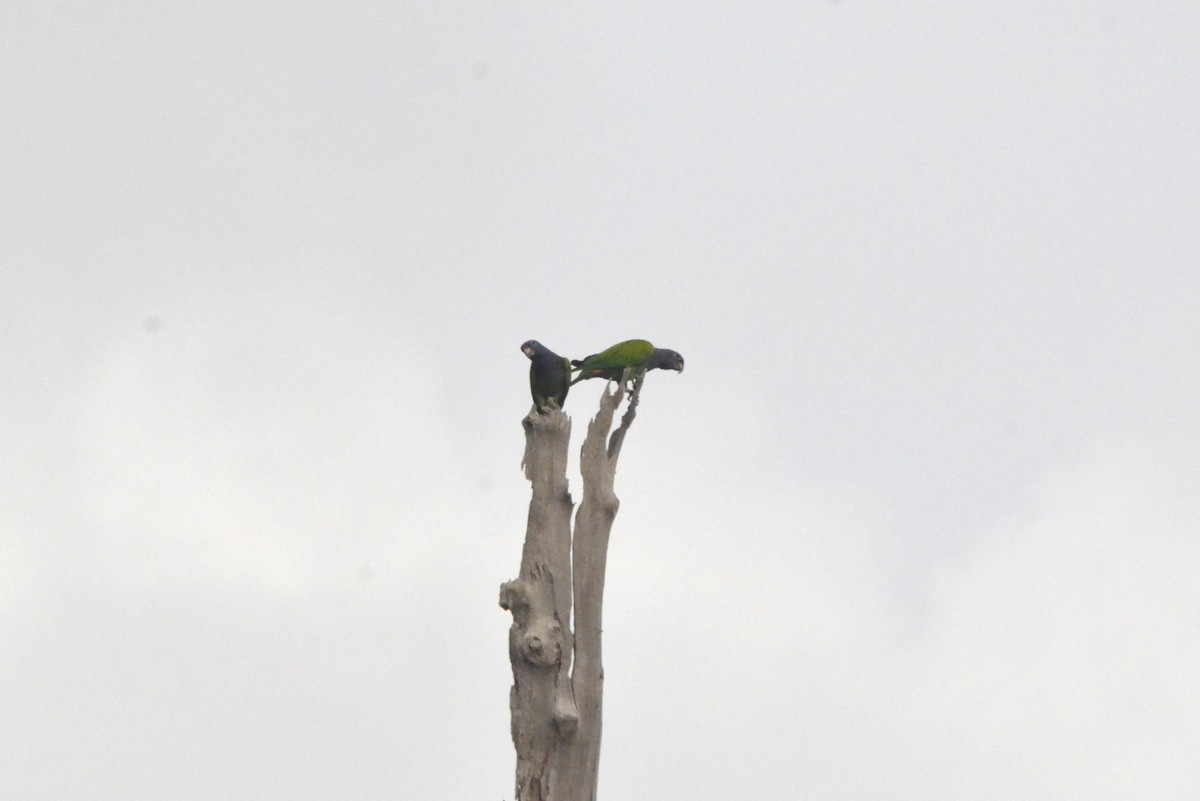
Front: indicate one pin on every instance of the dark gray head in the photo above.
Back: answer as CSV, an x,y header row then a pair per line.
x,y
533,348
664,359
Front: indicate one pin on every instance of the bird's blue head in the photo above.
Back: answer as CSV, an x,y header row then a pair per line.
x,y
666,359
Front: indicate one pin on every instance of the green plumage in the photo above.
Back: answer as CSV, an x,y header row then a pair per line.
x,y
549,376
635,354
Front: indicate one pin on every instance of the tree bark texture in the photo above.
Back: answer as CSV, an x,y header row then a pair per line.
x,y
556,710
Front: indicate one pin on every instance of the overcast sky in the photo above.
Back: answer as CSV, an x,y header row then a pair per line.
x,y
921,519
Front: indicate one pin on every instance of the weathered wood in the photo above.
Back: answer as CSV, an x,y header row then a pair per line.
x,y
589,558
539,640
556,711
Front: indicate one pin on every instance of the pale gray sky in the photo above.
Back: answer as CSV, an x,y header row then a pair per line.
x,y
921,519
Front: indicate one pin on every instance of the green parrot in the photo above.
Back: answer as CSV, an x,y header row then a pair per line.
x,y
634,353
549,375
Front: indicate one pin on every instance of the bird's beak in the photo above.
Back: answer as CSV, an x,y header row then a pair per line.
x,y
527,351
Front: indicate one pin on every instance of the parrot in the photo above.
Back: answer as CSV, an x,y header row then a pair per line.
x,y
549,375
637,354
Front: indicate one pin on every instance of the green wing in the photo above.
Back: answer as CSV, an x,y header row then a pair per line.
x,y
550,380
610,364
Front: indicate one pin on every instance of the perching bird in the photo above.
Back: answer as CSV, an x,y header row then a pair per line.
x,y
549,375
634,353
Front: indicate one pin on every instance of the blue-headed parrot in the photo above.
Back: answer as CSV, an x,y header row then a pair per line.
x,y
549,375
637,354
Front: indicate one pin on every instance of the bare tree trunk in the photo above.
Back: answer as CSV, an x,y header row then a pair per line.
x,y
539,641
556,712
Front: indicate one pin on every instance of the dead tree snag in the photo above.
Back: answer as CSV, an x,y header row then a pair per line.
x,y
558,676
